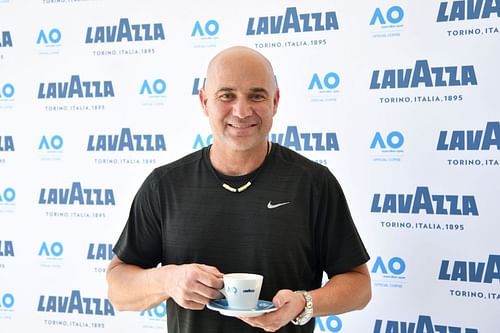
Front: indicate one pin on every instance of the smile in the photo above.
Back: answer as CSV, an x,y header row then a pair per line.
x,y
242,126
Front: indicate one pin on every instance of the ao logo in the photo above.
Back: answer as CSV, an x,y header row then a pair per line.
x,y
7,90
54,250
394,140
231,290
394,15
8,195
7,301
159,311
158,87
396,266
53,143
210,28
330,81
200,143
328,324
54,36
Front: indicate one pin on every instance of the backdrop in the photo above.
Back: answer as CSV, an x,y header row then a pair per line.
x,y
398,98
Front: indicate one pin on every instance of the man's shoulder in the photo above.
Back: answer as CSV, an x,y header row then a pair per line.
x,y
183,165
293,158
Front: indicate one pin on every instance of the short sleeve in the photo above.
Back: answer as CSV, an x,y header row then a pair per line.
x,y
338,241
140,242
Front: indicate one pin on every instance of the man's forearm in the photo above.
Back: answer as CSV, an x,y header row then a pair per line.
x,y
343,293
133,288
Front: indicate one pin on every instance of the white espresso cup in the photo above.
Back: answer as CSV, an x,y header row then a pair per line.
x,y
242,290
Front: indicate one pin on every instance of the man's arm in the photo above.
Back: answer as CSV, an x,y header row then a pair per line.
x,y
133,288
342,293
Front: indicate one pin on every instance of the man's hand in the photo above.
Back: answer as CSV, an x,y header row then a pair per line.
x,y
289,305
193,286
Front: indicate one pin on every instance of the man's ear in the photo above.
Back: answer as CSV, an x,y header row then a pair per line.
x,y
203,100
276,100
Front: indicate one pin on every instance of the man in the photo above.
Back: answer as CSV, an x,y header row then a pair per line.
x,y
240,205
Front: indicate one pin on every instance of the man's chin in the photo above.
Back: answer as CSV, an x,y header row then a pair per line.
x,y
240,144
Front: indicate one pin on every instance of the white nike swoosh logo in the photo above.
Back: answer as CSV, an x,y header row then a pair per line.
x,y
270,205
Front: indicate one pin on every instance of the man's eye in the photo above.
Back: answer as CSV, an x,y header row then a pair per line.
x,y
258,97
225,97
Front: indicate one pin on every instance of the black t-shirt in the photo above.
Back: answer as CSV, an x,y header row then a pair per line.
x,y
291,225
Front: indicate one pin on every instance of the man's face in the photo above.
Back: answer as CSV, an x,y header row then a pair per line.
x,y
240,100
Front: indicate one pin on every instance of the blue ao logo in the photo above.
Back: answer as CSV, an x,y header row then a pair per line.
x,y
387,22
5,39
332,324
159,312
7,98
77,195
7,302
306,141
209,29
154,92
100,251
50,37
75,303
460,10
202,141
7,199
387,147
124,31
324,86
7,196
422,75
423,202
51,251
6,248
51,147
205,34
389,272
292,22
154,319
154,88
423,324
51,255
7,91
49,41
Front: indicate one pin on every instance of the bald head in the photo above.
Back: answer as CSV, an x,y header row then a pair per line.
x,y
243,62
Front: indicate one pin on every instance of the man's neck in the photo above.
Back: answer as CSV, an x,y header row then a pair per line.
x,y
236,162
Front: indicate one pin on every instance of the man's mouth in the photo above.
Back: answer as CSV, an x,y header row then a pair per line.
x,y
241,126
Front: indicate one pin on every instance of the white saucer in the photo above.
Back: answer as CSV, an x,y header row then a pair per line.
x,y
221,306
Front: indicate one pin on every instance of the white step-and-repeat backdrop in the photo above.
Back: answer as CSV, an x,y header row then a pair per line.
x,y
400,99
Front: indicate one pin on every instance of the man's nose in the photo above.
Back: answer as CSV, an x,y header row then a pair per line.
x,y
242,108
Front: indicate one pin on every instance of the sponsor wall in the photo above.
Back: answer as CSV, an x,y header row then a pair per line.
x,y
398,98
